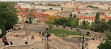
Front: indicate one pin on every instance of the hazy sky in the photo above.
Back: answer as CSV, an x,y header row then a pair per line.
x,y
54,0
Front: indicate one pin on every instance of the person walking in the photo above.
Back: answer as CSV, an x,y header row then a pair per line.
x,y
11,43
26,42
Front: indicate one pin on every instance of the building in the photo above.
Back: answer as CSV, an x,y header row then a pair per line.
x,y
92,18
89,19
23,15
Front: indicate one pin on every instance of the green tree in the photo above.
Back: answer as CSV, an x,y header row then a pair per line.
x,y
50,8
85,25
70,15
74,16
51,19
99,27
8,16
109,23
74,22
30,16
106,45
97,18
108,34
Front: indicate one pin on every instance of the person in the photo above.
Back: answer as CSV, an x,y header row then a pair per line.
x,y
26,42
39,33
3,39
42,39
43,34
32,37
5,43
11,42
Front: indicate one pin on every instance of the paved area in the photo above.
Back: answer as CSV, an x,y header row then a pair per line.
x,y
1,43
22,40
92,44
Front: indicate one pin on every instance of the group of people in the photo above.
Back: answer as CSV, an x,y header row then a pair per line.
x,y
4,40
42,35
32,37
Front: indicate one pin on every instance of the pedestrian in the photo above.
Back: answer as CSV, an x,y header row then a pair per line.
x,y
39,33
3,39
5,43
32,37
11,43
42,39
26,42
43,34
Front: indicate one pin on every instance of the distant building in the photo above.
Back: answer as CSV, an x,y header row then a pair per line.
x,y
89,19
23,12
92,18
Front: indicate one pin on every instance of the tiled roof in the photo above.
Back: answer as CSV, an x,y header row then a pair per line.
x,y
87,17
107,17
37,15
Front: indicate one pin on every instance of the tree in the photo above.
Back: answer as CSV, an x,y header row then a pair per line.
x,y
97,18
85,25
74,16
109,23
106,45
74,22
8,16
100,26
30,16
51,19
70,15
108,34
50,8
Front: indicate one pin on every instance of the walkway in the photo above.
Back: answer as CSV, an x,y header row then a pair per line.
x,y
70,36
92,44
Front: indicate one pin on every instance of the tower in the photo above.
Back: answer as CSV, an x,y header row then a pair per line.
x,y
77,9
73,1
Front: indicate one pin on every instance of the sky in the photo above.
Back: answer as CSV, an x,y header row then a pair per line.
x,y
54,0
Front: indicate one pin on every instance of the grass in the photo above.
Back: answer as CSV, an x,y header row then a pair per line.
x,y
63,33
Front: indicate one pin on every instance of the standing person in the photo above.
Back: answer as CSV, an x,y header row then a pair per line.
x,y
5,43
11,43
40,33
3,39
26,42
32,37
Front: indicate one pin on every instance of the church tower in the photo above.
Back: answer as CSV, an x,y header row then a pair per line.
x,y
73,1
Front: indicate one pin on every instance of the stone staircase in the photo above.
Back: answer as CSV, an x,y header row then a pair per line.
x,y
59,45
40,45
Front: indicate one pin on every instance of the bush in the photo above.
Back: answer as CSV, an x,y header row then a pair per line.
x,y
106,45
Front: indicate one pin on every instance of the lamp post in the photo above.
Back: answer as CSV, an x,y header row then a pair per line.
x,y
83,42
47,35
